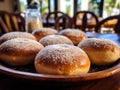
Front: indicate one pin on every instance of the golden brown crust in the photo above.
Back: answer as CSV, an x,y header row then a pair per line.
x,y
12,35
55,39
74,35
63,59
100,51
99,44
17,48
42,32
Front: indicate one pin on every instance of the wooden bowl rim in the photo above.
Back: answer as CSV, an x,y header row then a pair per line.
x,y
66,78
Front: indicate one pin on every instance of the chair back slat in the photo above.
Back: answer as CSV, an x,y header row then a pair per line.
x,y
109,22
85,18
63,22
3,27
13,21
54,15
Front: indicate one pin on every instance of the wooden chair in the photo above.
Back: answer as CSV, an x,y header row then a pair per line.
x,y
63,22
18,22
3,27
84,20
13,21
51,18
109,24
6,19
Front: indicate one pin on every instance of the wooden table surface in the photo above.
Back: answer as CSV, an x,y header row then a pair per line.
x,y
11,83
109,83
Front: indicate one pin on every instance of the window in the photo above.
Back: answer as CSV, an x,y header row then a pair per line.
x,y
66,7
52,5
44,6
70,6
111,7
78,5
22,4
97,7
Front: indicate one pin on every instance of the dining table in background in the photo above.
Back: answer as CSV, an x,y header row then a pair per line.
x,y
108,83
112,36
51,22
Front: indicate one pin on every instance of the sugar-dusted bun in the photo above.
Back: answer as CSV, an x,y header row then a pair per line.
x,y
12,35
42,32
55,39
75,35
100,51
19,51
62,59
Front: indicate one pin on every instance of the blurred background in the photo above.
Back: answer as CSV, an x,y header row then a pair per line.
x,y
102,8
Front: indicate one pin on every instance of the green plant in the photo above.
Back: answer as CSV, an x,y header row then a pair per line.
x,y
109,5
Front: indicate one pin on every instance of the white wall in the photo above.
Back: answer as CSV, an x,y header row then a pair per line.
x,y
7,5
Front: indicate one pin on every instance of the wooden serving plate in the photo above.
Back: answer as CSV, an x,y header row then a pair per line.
x,y
28,72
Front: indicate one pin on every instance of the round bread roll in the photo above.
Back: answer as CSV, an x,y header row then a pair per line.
x,y
19,51
42,32
100,51
62,59
12,35
75,35
55,39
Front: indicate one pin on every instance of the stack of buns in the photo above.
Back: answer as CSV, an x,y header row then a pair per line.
x,y
69,53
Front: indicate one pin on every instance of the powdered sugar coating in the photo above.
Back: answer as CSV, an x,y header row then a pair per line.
x,y
75,35
98,43
12,35
42,32
20,46
45,31
100,51
55,39
62,54
73,32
